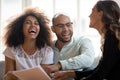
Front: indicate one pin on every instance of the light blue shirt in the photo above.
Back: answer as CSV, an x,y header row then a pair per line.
x,y
77,54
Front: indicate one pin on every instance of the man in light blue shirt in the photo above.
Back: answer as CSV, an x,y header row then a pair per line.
x,y
77,54
71,53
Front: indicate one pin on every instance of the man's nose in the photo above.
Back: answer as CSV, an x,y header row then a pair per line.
x,y
65,27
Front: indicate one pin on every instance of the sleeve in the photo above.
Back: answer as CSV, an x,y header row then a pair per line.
x,y
9,52
84,59
48,56
81,74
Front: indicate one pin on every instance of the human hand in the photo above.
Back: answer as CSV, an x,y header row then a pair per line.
x,y
61,75
10,76
51,68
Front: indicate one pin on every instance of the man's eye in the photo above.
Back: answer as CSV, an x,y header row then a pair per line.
x,y
69,24
60,25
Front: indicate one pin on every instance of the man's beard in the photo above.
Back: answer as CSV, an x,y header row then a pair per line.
x,y
64,40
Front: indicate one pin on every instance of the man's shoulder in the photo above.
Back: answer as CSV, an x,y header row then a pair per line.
x,y
80,38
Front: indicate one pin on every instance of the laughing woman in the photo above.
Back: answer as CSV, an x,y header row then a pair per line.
x,y
28,39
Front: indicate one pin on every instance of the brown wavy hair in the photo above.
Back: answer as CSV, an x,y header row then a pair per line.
x,y
111,18
14,30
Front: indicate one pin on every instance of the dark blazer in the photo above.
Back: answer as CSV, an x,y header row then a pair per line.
x,y
109,65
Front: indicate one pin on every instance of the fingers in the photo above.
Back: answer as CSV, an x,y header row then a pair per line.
x,y
60,75
51,68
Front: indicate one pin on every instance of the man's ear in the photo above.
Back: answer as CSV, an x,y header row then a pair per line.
x,y
52,28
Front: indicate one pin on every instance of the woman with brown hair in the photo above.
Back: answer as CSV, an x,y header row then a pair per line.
x,y
28,39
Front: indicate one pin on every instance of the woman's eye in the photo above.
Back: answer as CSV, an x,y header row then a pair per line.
x,y
36,23
27,22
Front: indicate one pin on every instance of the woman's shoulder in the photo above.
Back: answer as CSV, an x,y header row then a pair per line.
x,y
11,52
46,48
12,49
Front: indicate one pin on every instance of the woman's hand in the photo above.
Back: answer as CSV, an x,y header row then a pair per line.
x,y
50,68
62,75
